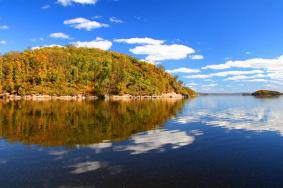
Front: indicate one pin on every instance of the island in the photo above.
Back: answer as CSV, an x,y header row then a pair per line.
x,y
70,73
266,93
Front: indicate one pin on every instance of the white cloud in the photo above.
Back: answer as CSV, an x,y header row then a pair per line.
x,y
272,68
216,67
115,20
47,46
256,63
3,27
225,74
197,57
192,84
96,17
145,40
3,42
97,43
198,76
257,80
37,39
244,77
162,52
273,85
275,82
46,7
83,23
70,2
209,85
183,70
59,36
147,61
228,73
156,50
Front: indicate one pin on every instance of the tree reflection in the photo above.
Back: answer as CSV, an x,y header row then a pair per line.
x,y
65,123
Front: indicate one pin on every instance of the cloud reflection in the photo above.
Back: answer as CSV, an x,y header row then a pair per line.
x,y
98,147
2,162
259,116
88,166
156,140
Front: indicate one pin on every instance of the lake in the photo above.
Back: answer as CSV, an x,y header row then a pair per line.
x,y
209,141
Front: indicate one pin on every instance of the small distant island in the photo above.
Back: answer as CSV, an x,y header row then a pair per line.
x,y
71,73
266,93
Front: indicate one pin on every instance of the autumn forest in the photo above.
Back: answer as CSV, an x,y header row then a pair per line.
x,y
72,71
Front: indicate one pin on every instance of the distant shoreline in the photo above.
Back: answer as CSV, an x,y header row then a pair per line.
x,y
222,94
242,94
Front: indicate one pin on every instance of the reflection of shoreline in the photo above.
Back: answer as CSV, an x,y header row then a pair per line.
x,y
69,123
268,97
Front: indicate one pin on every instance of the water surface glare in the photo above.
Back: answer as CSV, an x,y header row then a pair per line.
x,y
209,141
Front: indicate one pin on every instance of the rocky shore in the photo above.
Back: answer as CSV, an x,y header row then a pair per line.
x,y
7,96
163,96
46,97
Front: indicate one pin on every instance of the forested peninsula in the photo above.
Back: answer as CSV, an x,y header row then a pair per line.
x,y
71,71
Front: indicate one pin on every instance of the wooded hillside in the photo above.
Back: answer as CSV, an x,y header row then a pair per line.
x,y
73,71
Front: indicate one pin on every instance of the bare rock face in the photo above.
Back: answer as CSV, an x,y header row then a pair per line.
x,y
172,95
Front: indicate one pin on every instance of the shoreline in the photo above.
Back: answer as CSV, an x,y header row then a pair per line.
x,y
46,97
84,97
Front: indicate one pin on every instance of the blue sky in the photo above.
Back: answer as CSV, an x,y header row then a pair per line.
x,y
213,46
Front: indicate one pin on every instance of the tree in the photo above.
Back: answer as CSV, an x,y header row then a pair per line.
x,y
73,71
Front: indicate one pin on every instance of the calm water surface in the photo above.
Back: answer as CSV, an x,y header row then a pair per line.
x,y
210,141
